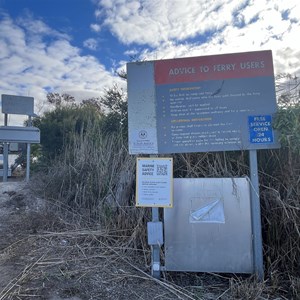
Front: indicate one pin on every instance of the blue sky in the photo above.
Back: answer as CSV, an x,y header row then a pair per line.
x,y
75,19
75,46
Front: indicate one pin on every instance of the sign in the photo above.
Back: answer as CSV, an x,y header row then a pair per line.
x,y
260,128
154,182
18,105
218,240
200,104
142,109
14,147
19,134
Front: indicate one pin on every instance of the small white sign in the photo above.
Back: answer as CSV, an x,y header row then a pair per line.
x,y
154,182
17,134
143,141
13,147
17,105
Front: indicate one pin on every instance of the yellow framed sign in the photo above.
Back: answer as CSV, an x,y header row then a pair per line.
x,y
154,182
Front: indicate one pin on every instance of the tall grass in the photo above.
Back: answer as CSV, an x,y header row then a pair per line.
x,y
95,180
280,202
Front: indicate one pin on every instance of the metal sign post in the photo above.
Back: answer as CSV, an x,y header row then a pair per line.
x,y
28,154
5,161
155,249
5,154
28,163
255,215
154,188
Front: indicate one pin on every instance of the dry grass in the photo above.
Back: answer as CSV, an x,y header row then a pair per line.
x,y
59,257
94,179
280,199
92,184
247,289
83,263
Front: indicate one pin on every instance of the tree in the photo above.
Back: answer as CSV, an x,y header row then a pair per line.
x,y
69,118
287,120
59,126
287,89
115,105
60,99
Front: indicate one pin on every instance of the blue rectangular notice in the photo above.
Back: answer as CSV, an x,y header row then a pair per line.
x,y
260,129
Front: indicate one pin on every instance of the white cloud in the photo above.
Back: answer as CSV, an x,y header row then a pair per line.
x,y
35,59
158,21
216,27
91,44
98,13
95,27
131,52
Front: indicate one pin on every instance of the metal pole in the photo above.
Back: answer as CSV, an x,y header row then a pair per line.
x,y
255,217
28,154
155,249
28,163
5,162
5,154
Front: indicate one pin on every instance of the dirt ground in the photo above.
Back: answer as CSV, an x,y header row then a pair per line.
x,y
44,257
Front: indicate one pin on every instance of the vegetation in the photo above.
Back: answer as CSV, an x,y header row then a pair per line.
x,y
92,174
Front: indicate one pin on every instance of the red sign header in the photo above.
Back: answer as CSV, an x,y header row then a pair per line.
x,y
215,67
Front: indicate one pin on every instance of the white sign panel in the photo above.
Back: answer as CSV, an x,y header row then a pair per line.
x,y
19,134
143,140
14,147
154,182
142,111
18,105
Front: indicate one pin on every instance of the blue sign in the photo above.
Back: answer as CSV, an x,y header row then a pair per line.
x,y
260,129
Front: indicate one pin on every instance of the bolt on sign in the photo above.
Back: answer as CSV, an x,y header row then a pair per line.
x,y
199,104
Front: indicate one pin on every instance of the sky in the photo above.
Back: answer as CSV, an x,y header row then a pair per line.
x,y
77,46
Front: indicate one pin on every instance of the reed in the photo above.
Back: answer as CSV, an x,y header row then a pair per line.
x,y
93,182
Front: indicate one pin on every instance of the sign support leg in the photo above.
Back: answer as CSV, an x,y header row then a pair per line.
x,y
5,153
155,249
28,163
256,216
28,154
5,162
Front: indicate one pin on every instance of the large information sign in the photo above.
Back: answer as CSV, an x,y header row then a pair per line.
x,y
154,182
199,104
